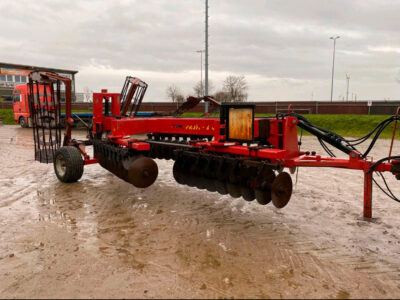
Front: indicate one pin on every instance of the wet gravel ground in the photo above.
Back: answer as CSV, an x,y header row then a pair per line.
x,y
101,237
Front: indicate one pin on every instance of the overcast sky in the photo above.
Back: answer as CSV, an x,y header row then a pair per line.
x,y
282,47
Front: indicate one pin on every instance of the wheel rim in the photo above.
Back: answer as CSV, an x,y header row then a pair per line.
x,y
60,165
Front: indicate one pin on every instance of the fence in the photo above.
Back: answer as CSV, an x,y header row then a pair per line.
x,y
273,107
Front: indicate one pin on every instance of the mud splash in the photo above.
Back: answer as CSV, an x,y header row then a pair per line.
x,y
101,237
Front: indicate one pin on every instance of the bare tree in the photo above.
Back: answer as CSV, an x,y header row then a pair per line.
x,y
236,88
199,88
221,97
180,99
175,94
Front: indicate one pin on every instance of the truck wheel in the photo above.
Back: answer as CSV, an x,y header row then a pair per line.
x,y
23,123
68,164
62,123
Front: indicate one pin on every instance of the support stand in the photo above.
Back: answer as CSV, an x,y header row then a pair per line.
x,y
367,214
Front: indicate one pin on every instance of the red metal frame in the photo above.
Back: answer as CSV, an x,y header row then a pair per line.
x,y
282,136
119,130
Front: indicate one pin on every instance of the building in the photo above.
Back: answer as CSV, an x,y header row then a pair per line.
x,y
14,74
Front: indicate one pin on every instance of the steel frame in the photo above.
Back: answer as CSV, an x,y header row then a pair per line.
x,y
281,148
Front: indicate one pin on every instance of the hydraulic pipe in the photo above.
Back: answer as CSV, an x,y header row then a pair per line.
x,y
323,136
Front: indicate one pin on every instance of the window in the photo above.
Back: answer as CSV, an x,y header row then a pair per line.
x,y
9,78
17,98
23,79
2,77
17,78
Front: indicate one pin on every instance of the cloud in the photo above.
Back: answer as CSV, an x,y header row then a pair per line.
x,y
281,46
385,49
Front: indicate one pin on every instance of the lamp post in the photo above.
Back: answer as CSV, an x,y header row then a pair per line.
x,y
333,64
201,72
206,59
348,83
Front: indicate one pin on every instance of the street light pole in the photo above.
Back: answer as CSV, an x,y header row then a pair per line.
x,y
206,60
348,83
201,72
333,64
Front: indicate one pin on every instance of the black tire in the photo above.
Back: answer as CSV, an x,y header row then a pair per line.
x,y
68,164
62,122
23,122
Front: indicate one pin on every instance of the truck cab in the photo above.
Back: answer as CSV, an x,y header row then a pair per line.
x,y
20,105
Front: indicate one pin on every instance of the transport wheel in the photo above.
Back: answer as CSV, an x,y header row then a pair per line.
x,y
62,123
68,164
23,122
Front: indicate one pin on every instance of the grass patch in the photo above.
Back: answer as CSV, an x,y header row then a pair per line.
x,y
345,125
351,125
197,115
8,116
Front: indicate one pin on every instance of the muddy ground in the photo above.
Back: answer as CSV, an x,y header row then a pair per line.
x,y
103,238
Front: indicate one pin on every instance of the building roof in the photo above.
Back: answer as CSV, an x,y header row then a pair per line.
x,y
26,67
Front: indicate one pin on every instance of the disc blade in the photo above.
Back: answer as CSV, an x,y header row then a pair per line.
x,y
263,196
209,183
177,172
265,178
233,190
190,180
142,172
247,193
281,190
166,152
201,183
222,170
220,187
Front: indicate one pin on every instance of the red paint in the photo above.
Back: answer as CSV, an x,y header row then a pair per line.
x,y
283,138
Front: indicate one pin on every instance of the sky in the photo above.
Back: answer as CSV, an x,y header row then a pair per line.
x,y
282,47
